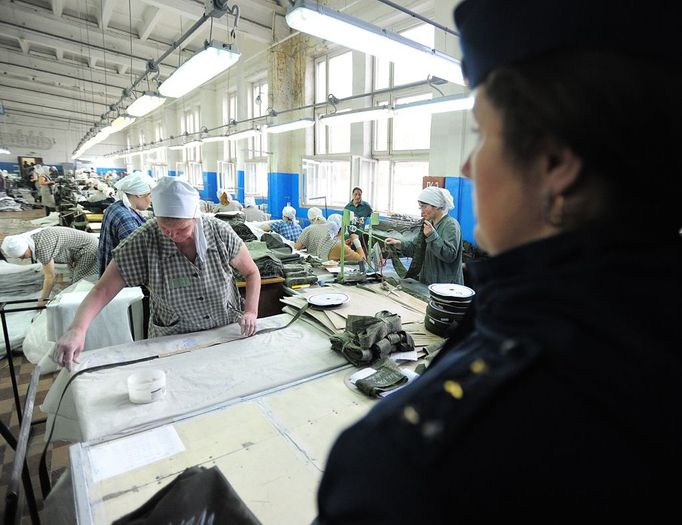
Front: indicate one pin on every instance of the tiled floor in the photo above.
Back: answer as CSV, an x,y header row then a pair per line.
x,y
57,453
12,223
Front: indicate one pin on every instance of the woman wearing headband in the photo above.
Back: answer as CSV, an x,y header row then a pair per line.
x,y
185,260
123,217
560,401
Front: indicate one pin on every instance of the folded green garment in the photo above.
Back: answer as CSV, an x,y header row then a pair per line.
x,y
384,379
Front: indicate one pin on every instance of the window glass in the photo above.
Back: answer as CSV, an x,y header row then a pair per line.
x,y
382,195
412,131
407,183
227,176
404,73
382,73
321,81
328,178
256,179
341,75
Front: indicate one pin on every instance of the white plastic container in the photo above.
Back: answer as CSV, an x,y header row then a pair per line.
x,y
146,386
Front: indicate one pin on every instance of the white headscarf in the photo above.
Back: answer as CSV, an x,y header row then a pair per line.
x,y
135,184
437,197
334,224
289,212
16,245
249,200
176,198
227,194
315,215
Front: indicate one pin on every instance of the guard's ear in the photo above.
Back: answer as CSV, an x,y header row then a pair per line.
x,y
561,169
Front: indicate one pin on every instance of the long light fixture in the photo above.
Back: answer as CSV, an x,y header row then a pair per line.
x,y
291,126
432,106
144,104
246,134
217,138
320,21
215,58
193,143
356,115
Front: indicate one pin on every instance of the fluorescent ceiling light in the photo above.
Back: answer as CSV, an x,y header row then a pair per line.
x,y
145,104
438,105
246,134
121,122
193,143
202,67
217,138
177,147
291,126
328,24
357,115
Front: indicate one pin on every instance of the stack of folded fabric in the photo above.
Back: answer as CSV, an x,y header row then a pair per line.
x,y
367,339
297,274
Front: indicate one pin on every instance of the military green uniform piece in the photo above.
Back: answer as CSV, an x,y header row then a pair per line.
x,y
386,378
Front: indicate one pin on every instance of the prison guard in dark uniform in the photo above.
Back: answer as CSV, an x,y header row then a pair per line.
x,y
563,403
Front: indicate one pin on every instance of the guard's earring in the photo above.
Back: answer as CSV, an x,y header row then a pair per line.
x,y
553,211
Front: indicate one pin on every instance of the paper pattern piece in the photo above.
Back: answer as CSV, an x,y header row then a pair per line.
x,y
125,454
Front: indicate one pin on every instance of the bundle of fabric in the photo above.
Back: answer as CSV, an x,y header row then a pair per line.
x,y
367,339
268,264
9,204
236,221
298,274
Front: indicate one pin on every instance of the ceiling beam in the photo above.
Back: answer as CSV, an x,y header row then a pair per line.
x,y
58,91
57,7
150,17
104,17
32,64
37,96
33,114
192,10
19,104
80,37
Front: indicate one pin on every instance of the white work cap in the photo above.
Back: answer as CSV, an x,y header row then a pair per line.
x,y
249,200
314,214
14,245
334,224
437,197
289,211
175,198
135,184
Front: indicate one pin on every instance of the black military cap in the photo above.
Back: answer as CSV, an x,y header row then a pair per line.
x,y
495,33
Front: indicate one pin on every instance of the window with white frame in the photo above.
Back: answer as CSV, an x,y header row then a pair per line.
x,y
333,76
192,155
229,114
405,73
180,170
195,175
258,107
403,182
161,151
227,176
327,178
159,171
256,179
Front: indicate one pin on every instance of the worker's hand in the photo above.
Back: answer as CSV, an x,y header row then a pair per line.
x,y
248,324
68,348
393,242
428,229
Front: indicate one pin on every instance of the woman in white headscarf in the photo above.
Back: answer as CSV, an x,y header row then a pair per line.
x,y
185,260
227,202
288,227
442,261
123,217
315,235
327,244
252,212
55,244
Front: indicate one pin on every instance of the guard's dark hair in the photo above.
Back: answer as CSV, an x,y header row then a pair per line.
x,y
604,108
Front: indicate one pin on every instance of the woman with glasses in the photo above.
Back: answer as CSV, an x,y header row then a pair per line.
x,y
123,217
439,243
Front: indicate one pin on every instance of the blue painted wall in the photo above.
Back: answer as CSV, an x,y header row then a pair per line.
x,y
209,193
240,186
460,188
103,171
282,189
9,166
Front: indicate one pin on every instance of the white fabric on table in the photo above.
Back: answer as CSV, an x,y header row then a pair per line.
x,y
96,404
110,327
